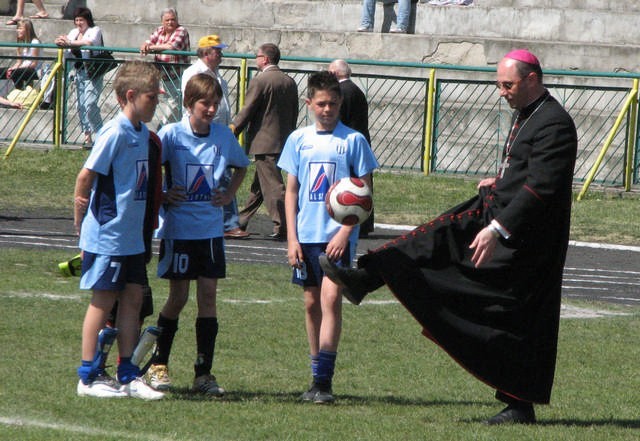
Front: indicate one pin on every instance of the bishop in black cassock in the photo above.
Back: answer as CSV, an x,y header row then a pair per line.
x,y
484,278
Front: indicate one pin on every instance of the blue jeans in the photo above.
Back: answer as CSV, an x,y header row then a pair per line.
x,y
231,220
369,11
87,93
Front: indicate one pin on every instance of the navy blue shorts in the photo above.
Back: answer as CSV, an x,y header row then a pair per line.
x,y
190,259
311,274
112,273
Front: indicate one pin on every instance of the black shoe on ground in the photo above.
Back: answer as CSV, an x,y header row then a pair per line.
x,y
281,237
318,394
310,394
521,414
353,281
323,397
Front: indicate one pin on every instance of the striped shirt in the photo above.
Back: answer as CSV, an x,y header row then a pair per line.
x,y
179,41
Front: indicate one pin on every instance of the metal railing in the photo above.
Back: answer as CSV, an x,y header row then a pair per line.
x,y
430,118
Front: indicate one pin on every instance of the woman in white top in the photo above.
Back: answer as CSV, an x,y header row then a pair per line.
x,y
88,89
24,70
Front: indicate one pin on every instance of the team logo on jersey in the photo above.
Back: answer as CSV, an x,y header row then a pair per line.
x,y
321,175
142,180
199,182
341,147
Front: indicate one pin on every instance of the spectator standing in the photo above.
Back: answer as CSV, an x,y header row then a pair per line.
x,y
42,12
209,58
88,88
196,152
169,36
24,70
369,11
485,278
210,54
354,113
315,157
270,114
109,210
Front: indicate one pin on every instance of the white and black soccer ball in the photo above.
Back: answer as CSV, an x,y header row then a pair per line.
x,y
349,201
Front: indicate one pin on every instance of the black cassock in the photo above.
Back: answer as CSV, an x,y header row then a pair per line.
x,y
499,321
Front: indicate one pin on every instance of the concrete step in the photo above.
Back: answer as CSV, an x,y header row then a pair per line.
x,y
595,35
595,21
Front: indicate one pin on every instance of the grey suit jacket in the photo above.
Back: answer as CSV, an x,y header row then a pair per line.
x,y
270,112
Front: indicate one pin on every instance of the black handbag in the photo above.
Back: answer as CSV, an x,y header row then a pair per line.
x,y
101,63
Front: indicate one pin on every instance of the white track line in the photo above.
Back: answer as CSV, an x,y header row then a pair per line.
x,y
567,311
18,421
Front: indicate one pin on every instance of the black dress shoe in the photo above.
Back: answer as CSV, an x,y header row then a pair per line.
x,y
521,414
277,236
354,282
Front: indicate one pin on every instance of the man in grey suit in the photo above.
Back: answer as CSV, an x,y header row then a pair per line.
x,y
270,114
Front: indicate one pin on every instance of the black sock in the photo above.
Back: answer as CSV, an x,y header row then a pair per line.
x,y
513,402
165,339
206,333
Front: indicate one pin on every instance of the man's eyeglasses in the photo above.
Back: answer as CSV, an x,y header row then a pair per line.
x,y
507,85
260,55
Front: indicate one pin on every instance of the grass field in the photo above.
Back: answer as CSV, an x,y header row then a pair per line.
x,y
391,383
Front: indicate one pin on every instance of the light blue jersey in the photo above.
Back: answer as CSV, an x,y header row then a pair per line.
x,y
318,159
112,225
197,164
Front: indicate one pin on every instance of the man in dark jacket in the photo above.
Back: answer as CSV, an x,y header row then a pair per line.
x,y
484,279
354,113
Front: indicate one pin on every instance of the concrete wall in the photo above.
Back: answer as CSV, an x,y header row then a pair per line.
x,y
567,34
600,35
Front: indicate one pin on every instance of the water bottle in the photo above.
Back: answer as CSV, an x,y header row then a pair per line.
x,y
145,343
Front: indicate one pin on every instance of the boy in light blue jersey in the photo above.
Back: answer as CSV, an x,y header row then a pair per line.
x,y
315,157
109,209
195,151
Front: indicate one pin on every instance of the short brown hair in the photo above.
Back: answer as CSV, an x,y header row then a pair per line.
x,y
201,86
272,52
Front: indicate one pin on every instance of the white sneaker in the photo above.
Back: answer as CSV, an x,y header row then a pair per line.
x,y
101,387
365,29
158,377
207,384
139,389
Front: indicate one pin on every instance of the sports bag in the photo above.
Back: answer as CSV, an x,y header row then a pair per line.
x,y
101,63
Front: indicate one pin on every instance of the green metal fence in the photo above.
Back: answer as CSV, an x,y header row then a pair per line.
x,y
470,132
468,123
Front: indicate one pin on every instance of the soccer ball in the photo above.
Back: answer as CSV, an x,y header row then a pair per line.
x,y
349,201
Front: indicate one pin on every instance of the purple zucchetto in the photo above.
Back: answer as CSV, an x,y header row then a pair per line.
x,y
523,55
